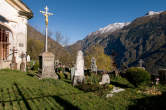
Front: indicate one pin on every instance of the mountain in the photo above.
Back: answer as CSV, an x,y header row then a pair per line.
x,y
144,38
59,51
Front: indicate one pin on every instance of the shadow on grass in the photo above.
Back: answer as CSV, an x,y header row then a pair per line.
x,y
120,85
67,81
17,96
23,97
30,74
66,105
150,103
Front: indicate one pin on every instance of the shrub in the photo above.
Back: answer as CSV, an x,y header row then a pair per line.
x,y
93,79
137,76
35,66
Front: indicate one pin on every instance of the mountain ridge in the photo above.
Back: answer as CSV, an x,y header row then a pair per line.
x,y
144,38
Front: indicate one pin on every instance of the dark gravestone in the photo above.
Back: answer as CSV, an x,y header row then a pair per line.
x,y
162,75
46,68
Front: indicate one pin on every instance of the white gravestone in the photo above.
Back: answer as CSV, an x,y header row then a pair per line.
x,y
28,58
79,69
105,79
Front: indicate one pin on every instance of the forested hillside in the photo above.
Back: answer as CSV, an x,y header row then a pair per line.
x,y
36,46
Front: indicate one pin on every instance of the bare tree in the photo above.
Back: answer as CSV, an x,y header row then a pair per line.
x,y
59,37
64,41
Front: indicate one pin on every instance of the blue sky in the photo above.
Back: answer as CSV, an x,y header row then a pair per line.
x,y
77,18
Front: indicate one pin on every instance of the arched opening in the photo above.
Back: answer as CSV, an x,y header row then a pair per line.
x,y
4,42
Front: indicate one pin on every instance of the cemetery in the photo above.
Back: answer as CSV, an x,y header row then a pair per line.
x,y
92,81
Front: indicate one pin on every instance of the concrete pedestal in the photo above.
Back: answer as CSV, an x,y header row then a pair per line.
x,y
46,69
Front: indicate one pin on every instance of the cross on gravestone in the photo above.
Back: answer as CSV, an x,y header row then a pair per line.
x,y
141,63
13,64
46,59
13,55
22,65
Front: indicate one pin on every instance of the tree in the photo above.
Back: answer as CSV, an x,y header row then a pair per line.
x,y
59,37
63,40
103,61
35,47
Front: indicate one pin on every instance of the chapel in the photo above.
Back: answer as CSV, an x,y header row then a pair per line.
x,y
14,16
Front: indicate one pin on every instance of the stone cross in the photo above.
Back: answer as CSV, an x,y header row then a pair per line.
x,y
46,14
22,65
141,62
13,55
13,64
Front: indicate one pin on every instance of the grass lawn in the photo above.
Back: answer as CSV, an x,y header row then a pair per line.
x,y
20,91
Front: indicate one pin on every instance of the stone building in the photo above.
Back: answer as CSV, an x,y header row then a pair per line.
x,y
14,15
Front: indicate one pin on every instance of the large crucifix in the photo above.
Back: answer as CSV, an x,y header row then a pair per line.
x,y
46,14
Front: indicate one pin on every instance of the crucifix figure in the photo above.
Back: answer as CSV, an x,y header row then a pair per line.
x,y
141,62
46,14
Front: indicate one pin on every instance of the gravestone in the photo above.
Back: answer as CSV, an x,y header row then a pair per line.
x,y
28,58
93,65
105,79
79,70
162,75
46,59
22,65
72,72
47,70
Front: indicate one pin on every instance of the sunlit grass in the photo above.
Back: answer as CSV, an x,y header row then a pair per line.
x,y
18,90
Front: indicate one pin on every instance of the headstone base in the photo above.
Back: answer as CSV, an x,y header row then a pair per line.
x,y
47,70
78,80
13,66
22,67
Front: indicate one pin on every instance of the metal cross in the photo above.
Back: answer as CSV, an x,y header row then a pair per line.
x,y
46,14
